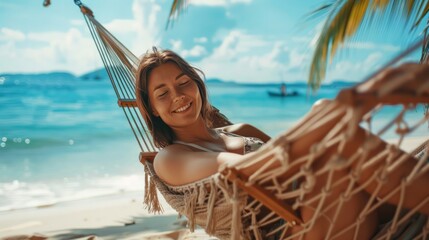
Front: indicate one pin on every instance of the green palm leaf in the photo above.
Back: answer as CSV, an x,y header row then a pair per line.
x,y
344,19
176,8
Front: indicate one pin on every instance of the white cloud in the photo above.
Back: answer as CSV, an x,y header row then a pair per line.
x,y
121,26
73,50
77,22
56,51
141,32
243,57
146,14
247,58
355,70
218,2
196,51
176,45
7,34
372,46
200,40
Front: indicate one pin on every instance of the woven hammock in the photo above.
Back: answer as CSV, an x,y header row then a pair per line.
x,y
292,176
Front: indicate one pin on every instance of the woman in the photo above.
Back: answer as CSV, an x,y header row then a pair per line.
x,y
171,96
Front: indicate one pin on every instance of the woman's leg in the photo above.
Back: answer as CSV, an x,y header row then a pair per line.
x,y
301,140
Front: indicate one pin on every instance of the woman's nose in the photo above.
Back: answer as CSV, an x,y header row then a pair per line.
x,y
179,97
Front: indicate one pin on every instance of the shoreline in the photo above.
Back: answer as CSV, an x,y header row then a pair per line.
x,y
111,216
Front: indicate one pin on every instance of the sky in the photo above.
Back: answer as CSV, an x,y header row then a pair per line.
x,y
253,41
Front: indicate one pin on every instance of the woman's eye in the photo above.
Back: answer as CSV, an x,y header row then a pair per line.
x,y
184,83
163,94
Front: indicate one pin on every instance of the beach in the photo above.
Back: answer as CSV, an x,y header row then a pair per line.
x,y
115,216
109,217
120,216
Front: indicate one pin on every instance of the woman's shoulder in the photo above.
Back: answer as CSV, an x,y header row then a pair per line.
x,y
167,155
179,164
167,162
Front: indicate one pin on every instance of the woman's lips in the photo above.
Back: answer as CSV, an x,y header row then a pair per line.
x,y
183,108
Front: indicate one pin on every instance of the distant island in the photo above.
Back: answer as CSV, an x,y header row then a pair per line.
x,y
101,75
40,75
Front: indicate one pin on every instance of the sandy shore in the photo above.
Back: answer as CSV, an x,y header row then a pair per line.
x,y
120,216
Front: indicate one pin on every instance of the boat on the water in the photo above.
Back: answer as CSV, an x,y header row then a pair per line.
x,y
280,94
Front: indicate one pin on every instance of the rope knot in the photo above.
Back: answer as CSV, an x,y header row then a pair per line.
x,y
337,162
361,218
326,190
346,196
292,223
355,175
382,177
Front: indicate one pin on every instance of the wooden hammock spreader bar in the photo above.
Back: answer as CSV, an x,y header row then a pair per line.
x,y
147,156
127,103
266,198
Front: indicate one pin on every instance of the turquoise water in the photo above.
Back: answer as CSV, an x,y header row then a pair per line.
x,y
64,138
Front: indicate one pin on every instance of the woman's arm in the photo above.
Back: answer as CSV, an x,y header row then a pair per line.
x,y
178,165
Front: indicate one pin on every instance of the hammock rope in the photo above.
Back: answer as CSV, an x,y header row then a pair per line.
x,y
120,65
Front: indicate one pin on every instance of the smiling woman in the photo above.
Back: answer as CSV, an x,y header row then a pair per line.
x,y
172,97
163,76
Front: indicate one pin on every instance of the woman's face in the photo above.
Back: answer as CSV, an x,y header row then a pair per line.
x,y
174,96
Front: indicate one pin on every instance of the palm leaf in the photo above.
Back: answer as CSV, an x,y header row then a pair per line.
x,y
176,8
346,17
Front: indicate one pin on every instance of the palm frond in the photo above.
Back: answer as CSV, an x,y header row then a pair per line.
x,y
423,9
342,22
425,49
346,17
320,10
176,8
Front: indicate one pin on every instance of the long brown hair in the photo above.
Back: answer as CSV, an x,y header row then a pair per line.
x,y
162,134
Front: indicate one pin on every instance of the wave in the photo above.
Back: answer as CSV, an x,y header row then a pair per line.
x,y
16,194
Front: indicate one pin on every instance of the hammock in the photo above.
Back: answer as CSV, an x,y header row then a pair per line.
x,y
260,183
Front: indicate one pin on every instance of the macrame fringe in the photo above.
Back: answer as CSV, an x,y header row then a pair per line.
x,y
202,194
151,199
211,224
190,205
236,214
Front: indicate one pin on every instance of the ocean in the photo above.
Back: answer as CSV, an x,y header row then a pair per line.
x,y
64,138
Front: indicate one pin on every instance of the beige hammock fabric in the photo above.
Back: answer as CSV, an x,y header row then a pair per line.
x,y
205,203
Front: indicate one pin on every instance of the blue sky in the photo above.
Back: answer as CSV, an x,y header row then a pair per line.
x,y
238,40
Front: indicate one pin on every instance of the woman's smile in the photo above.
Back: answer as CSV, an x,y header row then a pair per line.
x,y
183,108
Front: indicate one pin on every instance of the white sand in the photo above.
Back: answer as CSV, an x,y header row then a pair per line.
x,y
120,216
